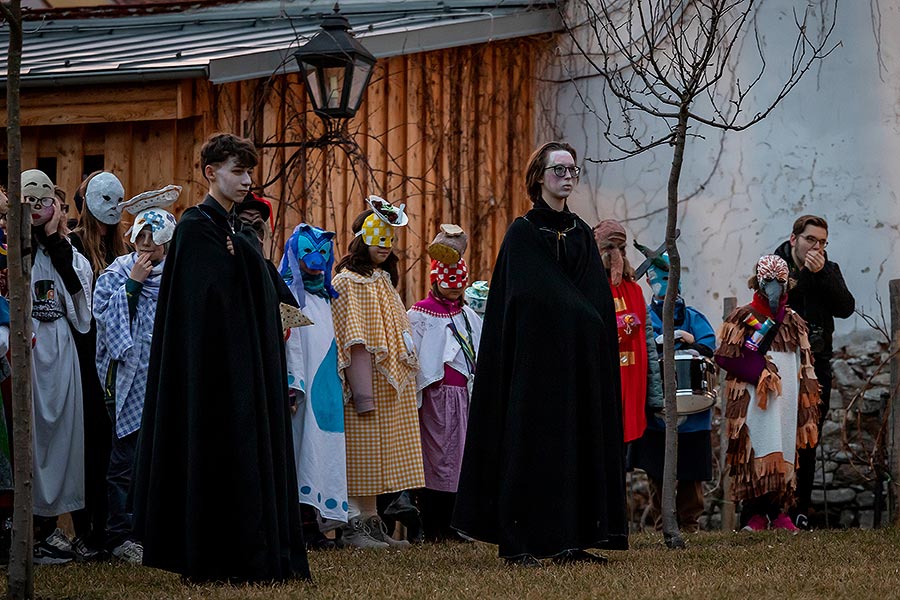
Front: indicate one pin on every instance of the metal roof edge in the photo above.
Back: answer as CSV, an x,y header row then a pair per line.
x,y
113,75
437,36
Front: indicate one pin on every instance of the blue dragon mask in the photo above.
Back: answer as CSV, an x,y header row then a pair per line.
x,y
657,271
313,248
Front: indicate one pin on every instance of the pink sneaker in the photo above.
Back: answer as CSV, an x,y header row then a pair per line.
x,y
757,523
784,522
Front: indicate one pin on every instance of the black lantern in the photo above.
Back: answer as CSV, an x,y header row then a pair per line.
x,y
336,68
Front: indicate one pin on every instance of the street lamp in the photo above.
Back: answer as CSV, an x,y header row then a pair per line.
x,y
335,68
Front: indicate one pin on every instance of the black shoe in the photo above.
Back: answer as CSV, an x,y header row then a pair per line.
x,y
802,522
322,543
526,561
579,556
316,540
47,554
84,553
402,507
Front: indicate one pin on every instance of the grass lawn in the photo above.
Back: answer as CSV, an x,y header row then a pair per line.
x,y
740,566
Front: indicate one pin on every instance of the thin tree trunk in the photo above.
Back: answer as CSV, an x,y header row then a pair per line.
x,y
21,571
894,465
671,533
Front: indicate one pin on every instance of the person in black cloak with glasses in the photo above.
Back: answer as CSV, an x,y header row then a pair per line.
x,y
543,469
215,489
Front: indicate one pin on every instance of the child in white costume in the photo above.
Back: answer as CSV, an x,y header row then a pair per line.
x,y
61,301
312,360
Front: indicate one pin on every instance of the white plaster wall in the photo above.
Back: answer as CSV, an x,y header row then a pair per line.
x,y
831,148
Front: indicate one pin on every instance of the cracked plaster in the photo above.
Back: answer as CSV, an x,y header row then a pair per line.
x,y
831,148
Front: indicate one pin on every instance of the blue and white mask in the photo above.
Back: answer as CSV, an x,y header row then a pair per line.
x,y
309,249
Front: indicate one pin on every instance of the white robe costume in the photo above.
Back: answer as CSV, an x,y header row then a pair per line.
x,y
57,405
318,424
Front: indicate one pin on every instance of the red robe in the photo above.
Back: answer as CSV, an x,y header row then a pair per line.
x,y
631,319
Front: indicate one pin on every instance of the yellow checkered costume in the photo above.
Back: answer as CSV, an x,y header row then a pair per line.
x,y
384,448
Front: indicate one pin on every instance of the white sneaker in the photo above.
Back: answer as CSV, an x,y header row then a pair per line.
x,y
60,541
130,552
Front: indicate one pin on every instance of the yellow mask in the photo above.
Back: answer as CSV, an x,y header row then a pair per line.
x,y
376,232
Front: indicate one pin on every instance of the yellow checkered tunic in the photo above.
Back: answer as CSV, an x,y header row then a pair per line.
x,y
384,449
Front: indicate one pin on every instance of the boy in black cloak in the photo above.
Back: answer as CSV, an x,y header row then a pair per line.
x,y
543,469
215,491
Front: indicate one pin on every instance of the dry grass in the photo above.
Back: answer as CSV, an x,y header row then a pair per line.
x,y
829,565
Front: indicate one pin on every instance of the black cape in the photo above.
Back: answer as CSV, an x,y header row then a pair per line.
x,y
215,488
543,469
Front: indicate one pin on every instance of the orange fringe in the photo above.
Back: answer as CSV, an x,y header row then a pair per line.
x,y
737,401
769,381
770,474
732,336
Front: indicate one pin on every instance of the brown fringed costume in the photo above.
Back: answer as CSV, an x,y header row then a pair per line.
x,y
759,417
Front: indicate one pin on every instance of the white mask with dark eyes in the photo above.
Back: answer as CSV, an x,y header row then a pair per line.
x,y
103,195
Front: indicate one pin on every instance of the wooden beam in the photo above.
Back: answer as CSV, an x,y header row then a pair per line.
x,y
184,99
84,105
112,112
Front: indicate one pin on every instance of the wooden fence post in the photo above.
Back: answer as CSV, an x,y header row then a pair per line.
x,y
729,304
894,288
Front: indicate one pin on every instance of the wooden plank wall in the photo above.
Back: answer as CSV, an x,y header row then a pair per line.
x,y
447,133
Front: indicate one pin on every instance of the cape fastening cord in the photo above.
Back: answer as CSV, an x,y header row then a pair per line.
x,y
560,235
213,221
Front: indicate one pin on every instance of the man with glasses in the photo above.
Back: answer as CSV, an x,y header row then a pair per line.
x,y
818,294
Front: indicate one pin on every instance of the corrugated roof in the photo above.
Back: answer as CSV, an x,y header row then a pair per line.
x,y
241,41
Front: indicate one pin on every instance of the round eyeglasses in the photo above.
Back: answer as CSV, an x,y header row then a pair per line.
x,y
40,202
560,170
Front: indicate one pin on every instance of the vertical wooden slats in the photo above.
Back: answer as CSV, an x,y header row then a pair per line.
x,y
69,158
117,155
446,132
432,136
186,156
418,233
269,127
153,156
376,126
29,148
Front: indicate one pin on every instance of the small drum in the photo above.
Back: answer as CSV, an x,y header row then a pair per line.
x,y
695,383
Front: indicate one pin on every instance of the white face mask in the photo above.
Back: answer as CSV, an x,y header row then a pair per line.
x,y
103,195
161,223
36,184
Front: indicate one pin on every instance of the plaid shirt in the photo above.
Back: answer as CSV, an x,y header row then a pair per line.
x,y
125,340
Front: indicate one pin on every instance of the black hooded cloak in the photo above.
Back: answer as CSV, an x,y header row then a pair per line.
x,y
215,488
543,469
